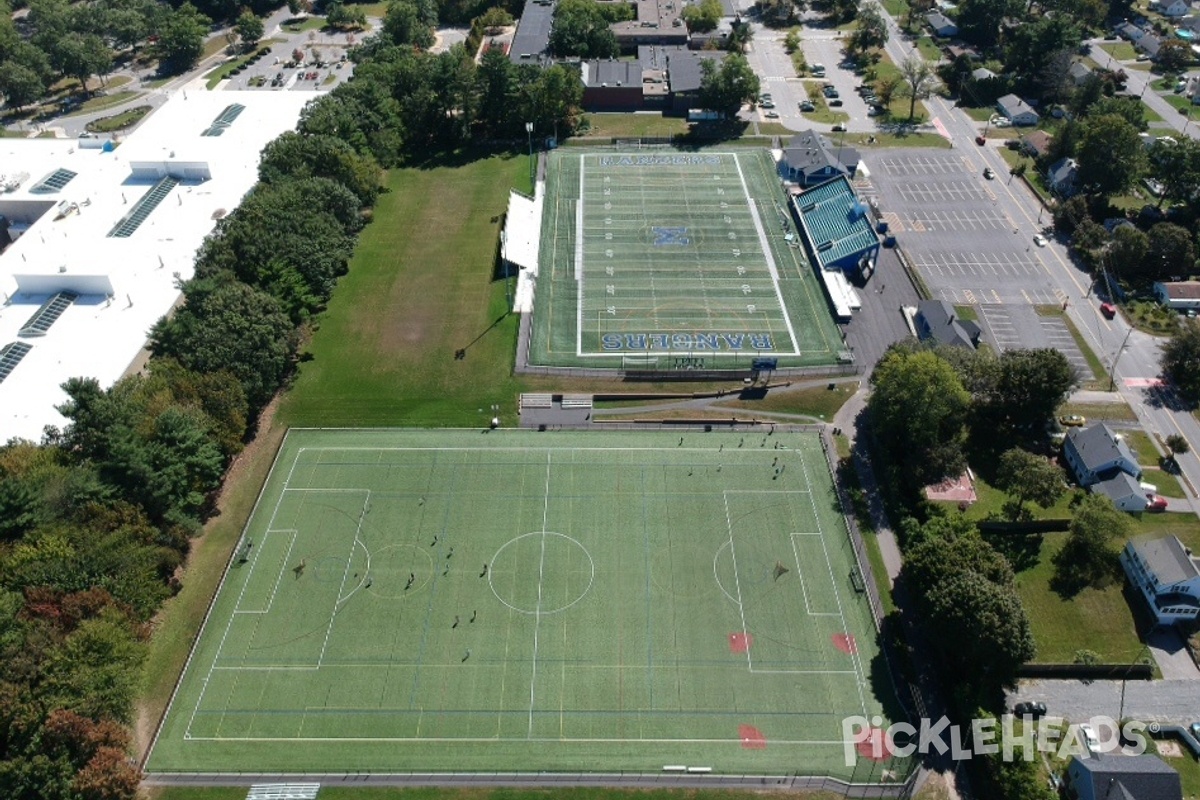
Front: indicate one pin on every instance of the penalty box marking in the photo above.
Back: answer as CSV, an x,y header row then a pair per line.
x,y
767,253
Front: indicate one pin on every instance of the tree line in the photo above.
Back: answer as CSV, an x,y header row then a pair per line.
x,y
96,520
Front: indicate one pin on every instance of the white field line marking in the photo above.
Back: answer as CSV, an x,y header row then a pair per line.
x,y
579,266
342,586
229,624
736,579
855,657
538,616
491,740
768,254
800,572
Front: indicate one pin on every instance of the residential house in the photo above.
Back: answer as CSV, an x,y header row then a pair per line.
x,y
1114,777
1063,176
1127,30
941,25
1170,8
1124,490
1095,453
982,74
935,319
1017,110
810,159
1036,143
1166,574
1079,73
1179,295
1149,44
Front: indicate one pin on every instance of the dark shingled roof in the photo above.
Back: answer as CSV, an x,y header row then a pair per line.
x,y
1097,445
612,73
1143,777
683,67
1167,558
532,38
936,320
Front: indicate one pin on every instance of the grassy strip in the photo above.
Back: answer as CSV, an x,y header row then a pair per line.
x,y
101,102
621,125
819,402
1119,410
1121,51
966,313
179,621
498,793
120,121
310,24
821,112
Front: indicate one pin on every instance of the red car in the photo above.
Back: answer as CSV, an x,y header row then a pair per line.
x,y
1156,502
1108,310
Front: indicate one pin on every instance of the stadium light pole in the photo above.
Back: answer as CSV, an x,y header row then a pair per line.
x,y
529,136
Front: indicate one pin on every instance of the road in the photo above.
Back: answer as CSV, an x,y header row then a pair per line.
x,y
1136,84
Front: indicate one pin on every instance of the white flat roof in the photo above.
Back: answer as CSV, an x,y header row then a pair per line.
x,y
126,284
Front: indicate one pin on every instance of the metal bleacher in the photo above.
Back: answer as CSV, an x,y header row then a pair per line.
x,y
142,208
47,315
11,355
284,791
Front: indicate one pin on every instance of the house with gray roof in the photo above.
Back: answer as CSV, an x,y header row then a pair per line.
x,y
941,25
836,228
1127,30
1017,110
1149,44
982,74
1095,454
1167,576
1079,73
810,159
936,320
1102,776
1178,295
1063,176
1124,490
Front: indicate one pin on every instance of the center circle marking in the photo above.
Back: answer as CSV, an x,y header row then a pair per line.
x,y
534,568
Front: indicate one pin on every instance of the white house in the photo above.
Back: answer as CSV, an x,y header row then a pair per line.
x,y
1101,776
1124,490
1181,295
1170,8
1166,574
1017,110
1096,454
1063,176
940,24
1127,30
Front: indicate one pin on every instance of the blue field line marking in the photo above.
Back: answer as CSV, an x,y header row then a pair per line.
x,y
649,619
433,583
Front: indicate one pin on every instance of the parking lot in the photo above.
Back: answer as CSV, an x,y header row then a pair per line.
x,y
271,73
947,218
1015,326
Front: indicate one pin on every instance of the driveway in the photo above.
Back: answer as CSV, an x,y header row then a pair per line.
x,y
1173,659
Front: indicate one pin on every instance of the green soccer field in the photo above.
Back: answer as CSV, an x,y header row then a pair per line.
x,y
669,259
458,600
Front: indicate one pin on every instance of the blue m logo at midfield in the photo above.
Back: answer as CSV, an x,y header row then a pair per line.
x,y
669,236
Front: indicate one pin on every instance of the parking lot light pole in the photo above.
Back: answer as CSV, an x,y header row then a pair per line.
x,y
1112,373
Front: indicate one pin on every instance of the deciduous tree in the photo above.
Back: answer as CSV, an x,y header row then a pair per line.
x,y
249,28
919,81
728,84
1026,477
1087,558
1111,155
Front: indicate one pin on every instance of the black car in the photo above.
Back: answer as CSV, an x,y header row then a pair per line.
x,y
834,103
1030,709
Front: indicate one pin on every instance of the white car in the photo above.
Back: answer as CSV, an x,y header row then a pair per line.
x,y
1001,122
1039,240
1090,740
771,115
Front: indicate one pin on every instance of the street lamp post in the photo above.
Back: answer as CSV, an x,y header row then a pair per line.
x,y
529,136
1112,373
1125,677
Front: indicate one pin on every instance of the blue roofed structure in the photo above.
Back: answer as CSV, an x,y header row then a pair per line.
x,y
836,227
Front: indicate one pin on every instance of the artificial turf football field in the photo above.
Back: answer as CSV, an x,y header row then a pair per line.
x,y
644,603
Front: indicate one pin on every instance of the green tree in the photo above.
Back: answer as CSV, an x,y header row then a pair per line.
x,y
1130,108
918,409
791,42
81,55
1111,155
703,16
249,28
96,671
1039,44
727,85
1177,445
494,19
1176,165
20,85
1029,385
979,20
347,18
919,81
181,37
1087,558
1174,55
581,28
497,87
839,12
1026,477
292,155
227,325
1169,251
1127,253
1180,360
402,24
870,30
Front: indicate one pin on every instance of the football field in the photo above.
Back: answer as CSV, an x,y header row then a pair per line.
x,y
671,259
513,600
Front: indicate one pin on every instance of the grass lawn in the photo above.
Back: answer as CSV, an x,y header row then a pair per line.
x,y
1095,619
120,121
979,114
1187,767
310,24
991,502
1121,51
896,7
618,125
1176,100
213,46
103,101
1100,411
819,402
966,313
822,113
929,49
498,793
